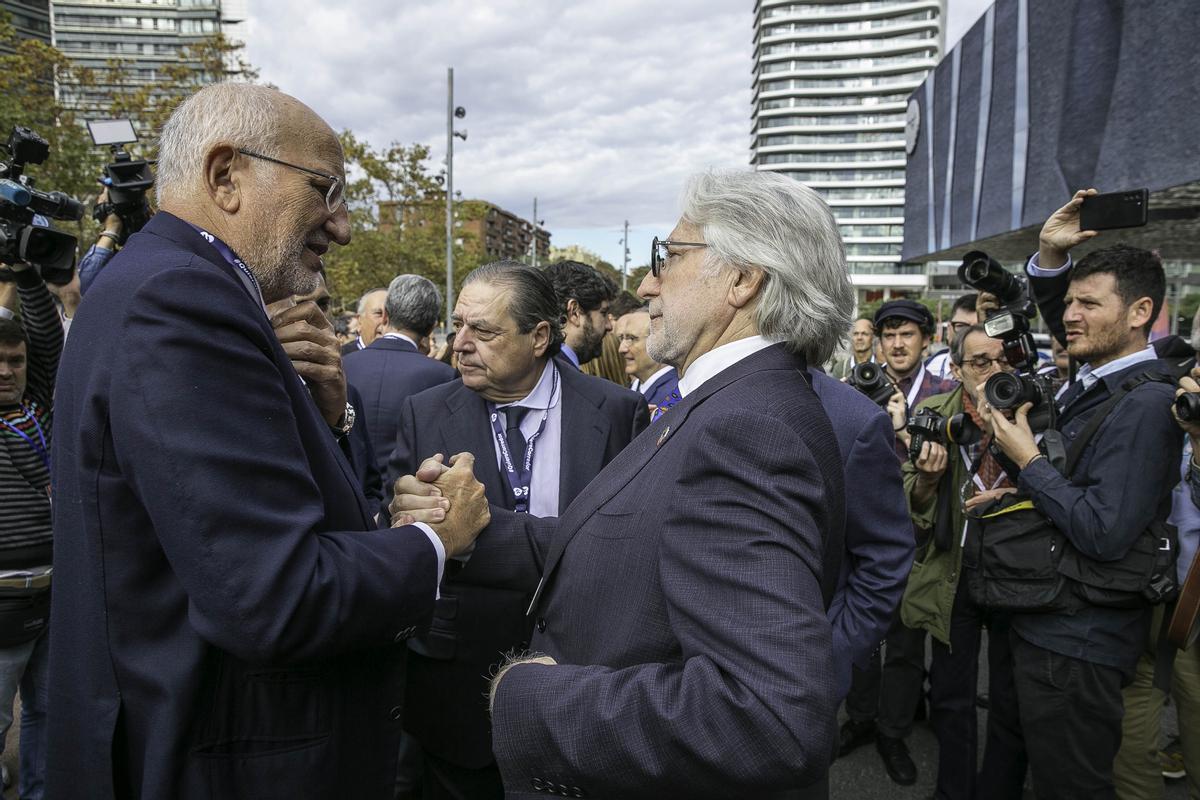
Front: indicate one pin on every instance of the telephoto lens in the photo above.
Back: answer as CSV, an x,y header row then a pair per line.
x,y
1187,407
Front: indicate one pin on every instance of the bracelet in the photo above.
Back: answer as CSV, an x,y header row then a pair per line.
x,y
1030,461
112,235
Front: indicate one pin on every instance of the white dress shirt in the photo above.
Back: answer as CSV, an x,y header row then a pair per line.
x,y
547,453
718,360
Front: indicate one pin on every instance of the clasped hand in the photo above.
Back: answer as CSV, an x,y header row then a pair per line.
x,y
447,498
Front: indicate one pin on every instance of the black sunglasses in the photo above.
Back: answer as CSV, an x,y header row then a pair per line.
x,y
659,252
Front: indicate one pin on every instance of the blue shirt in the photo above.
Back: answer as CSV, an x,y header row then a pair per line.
x,y
1185,513
569,354
90,265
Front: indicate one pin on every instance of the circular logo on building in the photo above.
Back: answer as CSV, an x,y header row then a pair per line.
x,y
912,126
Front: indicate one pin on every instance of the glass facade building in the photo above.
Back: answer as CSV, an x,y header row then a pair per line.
x,y
831,85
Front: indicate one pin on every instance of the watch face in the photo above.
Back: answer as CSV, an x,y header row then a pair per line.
x,y
912,126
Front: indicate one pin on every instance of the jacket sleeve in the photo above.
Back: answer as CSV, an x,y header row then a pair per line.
x,y
750,701
879,543
209,438
39,317
1049,294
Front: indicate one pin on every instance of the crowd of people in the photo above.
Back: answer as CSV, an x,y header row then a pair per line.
x,y
590,544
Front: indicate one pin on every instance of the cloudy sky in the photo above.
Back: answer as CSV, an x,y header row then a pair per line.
x,y
599,109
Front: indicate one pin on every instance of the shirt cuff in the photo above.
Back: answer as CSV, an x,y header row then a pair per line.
x,y
1035,271
6,313
439,548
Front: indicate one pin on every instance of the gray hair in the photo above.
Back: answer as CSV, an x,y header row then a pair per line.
x,y
958,350
763,220
241,113
362,301
532,300
413,303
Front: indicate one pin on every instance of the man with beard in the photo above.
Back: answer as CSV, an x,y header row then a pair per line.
x,y
583,298
883,701
228,621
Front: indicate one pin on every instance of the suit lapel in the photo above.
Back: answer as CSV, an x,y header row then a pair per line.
x,y
629,462
467,428
584,434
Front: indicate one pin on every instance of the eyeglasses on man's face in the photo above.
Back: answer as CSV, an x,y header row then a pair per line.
x,y
628,337
335,193
981,363
660,252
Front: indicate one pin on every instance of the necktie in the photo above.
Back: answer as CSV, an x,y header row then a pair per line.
x,y
512,433
673,398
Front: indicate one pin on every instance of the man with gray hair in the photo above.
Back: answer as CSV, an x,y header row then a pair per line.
x,y
227,618
370,320
396,365
680,603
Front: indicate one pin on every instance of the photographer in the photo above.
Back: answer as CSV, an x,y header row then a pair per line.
x,y
882,703
936,599
100,253
29,354
1073,659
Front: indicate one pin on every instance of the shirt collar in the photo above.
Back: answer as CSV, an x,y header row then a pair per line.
x,y
1089,376
400,336
570,354
544,395
718,360
653,379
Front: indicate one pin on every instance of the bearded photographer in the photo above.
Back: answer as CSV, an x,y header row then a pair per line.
x,y
1073,659
29,354
936,598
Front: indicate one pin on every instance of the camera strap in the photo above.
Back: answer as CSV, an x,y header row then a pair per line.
x,y
1089,430
39,447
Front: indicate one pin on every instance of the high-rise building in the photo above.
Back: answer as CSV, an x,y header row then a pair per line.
x,y
831,82
147,35
31,18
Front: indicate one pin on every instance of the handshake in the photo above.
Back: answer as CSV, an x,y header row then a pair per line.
x,y
447,498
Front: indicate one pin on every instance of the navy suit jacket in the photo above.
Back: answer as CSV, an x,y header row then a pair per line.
x,y
661,389
879,533
682,598
387,373
361,452
226,619
475,626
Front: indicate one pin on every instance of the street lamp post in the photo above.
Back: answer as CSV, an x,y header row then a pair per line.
x,y
452,111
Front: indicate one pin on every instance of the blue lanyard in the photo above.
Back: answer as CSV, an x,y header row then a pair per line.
x,y
232,258
520,476
40,447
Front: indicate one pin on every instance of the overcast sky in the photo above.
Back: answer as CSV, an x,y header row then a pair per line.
x,y
599,109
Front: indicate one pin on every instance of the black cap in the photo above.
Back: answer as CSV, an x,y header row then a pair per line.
x,y
905,309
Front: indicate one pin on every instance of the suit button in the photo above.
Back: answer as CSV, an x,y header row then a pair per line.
x,y
577,792
396,713
564,790
541,625
538,786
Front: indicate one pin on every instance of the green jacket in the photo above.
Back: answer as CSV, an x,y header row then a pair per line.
x,y
929,596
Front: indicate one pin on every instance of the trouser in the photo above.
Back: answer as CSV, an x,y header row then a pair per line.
x,y
1137,772
443,780
1071,717
24,666
889,695
953,678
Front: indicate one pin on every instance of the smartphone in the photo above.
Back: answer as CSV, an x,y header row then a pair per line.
x,y
1103,212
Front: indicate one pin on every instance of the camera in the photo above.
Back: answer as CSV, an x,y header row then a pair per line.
x,y
985,274
126,178
930,426
1008,390
24,238
871,380
1187,407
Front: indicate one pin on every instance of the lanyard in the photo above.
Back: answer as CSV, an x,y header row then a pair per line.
x,y
244,273
975,469
916,387
520,476
40,447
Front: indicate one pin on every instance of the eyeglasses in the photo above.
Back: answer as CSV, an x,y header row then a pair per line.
x,y
983,362
659,252
629,337
958,326
334,196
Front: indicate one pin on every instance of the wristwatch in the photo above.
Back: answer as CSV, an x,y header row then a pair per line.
x,y
347,422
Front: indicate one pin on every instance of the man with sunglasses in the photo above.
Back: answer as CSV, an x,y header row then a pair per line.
x,y
942,484
230,623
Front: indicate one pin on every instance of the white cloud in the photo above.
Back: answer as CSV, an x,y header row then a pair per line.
x,y
600,109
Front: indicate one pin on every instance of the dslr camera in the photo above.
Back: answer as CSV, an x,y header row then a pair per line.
x,y
50,252
930,426
1007,390
126,178
871,380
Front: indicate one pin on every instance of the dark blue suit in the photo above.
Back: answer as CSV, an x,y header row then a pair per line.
x,y
879,537
657,393
225,617
683,599
361,452
387,373
474,625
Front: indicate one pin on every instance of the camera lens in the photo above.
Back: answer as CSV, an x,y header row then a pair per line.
x,y
976,271
1187,407
1005,390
